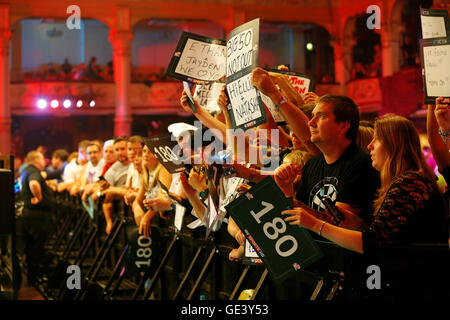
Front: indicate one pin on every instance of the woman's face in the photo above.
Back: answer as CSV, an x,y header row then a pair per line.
x,y
378,152
147,157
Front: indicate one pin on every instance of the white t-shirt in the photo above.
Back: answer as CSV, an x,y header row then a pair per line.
x,y
117,174
72,171
133,176
92,173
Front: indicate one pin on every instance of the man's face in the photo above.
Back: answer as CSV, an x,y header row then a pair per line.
x,y
39,162
121,151
56,162
93,153
109,154
134,149
323,126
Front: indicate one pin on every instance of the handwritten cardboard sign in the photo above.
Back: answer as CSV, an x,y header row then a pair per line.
x,y
435,57
207,95
435,23
247,109
198,58
301,82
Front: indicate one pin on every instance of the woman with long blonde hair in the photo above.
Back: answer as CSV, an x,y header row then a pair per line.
x,y
153,174
408,208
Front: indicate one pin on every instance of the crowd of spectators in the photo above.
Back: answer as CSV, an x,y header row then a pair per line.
x,y
374,174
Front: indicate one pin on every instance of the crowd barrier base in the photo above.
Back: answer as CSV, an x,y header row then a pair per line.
x,y
188,266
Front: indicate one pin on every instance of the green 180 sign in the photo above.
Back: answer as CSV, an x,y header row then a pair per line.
x,y
284,248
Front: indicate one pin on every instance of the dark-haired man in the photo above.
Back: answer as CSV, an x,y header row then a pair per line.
x,y
57,165
342,172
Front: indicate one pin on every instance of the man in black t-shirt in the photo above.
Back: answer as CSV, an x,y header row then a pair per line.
x,y
343,172
32,225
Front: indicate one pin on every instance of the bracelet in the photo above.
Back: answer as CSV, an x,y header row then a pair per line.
x,y
283,101
321,227
443,134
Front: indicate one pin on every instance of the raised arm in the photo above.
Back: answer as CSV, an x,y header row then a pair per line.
x,y
295,117
204,116
438,119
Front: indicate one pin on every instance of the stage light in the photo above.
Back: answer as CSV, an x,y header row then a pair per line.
x,y
79,103
67,103
54,104
309,46
42,104
92,104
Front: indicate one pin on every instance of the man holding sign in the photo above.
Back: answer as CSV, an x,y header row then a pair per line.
x,y
334,177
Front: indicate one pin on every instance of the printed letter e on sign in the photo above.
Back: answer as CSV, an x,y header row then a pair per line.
x,y
74,20
74,280
374,21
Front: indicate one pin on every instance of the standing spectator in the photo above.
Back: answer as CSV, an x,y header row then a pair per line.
x,y
33,224
58,164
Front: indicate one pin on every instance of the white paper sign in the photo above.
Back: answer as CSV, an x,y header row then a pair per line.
x,y
437,70
239,51
433,27
207,94
277,117
299,83
244,99
203,61
179,215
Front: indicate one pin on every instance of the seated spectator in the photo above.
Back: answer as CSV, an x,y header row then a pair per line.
x,y
108,72
93,70
74,167
58,164
66,67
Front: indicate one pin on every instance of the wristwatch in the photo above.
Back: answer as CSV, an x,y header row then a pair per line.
x,y
282,101
203,194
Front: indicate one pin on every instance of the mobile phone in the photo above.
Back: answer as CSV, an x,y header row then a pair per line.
x,y
337,215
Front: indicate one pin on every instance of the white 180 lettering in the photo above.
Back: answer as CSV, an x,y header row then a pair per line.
x,y
144,251
278,226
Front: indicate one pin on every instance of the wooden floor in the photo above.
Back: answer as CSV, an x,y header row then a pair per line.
x,y
28,292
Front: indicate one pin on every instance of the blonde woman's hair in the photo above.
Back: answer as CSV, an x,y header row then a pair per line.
x,y
364,136
401,141
146,174
298,157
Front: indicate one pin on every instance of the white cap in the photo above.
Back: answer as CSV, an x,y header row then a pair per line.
x,y
108,143
178,128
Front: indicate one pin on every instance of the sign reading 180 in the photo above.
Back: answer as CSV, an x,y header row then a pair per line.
x,y
165,153
284,248
276,228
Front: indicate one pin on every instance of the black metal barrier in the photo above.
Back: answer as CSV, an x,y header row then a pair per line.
x,y
181,265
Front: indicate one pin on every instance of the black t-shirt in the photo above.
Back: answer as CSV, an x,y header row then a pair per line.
x,y
351,180
32,173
